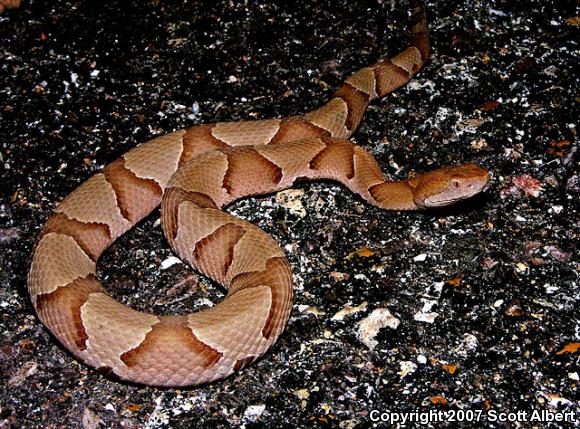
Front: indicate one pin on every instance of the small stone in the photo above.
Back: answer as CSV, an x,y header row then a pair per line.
x,y
337,276
425,314
468,343
302,393
28,369
425,317
558,254
195,108
310,309
450,368
253,412
514,310
532,187
479,144
8,235
340,315
521,267
537,262
369,327
292,200
169,262
407,367
90,420
420,258
557,401
489,263
348,424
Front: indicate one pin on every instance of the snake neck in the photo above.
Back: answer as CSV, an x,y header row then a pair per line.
x,y
397,195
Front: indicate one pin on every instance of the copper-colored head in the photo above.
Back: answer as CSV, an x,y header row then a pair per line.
x,y
448,185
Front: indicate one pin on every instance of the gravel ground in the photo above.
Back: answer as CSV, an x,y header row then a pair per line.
x,y
470,308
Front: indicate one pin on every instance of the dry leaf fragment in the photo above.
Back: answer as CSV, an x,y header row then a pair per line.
x,y
557,147
337,276
489,105
450,368
569,348
514,311
573,21
133,407
363,252
455,282
435,400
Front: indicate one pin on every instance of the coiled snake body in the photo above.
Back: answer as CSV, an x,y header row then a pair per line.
x,y
197,172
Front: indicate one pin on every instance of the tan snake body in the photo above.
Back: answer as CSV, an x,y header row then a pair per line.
x,y
198,171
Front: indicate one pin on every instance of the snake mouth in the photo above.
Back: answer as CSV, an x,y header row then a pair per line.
x,y
441,203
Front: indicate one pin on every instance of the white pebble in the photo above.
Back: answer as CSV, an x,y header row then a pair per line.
x,y
420,258
407,367
169,262
426,315
369,327
253,412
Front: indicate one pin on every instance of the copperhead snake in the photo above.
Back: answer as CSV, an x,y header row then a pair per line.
x,y
194,174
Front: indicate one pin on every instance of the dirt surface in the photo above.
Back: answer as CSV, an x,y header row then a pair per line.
x,y
477,304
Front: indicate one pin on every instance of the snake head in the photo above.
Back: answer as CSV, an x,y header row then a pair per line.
x,y
448,185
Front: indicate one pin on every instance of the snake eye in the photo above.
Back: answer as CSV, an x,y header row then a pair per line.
x,y
456,183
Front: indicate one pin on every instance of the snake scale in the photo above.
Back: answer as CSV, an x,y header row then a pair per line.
x,y
194,173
